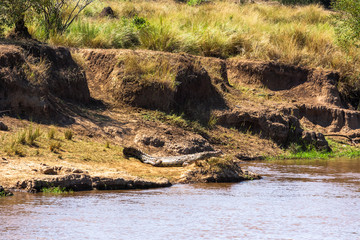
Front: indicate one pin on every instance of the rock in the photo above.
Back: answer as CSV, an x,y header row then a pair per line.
x,y
78,171
246,157
3,127
334,119
49,171
67,170
191,145
155,141
101,183
221,171
4,192
81,182
300,83
316,139
269,124
107,12
56,170
76,182
176,141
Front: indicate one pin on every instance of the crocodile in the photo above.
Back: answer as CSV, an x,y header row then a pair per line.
x,y
170,161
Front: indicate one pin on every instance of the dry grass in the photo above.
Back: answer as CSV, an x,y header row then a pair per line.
x,y
36,70
149,71
94,155
302,35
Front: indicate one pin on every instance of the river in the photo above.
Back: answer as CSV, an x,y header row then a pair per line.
x,y
302,199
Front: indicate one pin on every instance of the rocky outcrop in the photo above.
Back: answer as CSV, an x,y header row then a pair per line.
x,y
282,129
81,182
227,171
103,183
173,141
316,139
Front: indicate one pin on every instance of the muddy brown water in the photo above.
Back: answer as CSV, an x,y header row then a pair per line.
x,y
302,199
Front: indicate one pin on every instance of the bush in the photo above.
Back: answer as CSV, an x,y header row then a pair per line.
x,y
347,22
55,15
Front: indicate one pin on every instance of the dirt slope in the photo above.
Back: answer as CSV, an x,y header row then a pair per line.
x,y
34,78
169,104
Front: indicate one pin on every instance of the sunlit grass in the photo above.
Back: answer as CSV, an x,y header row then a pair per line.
x,y
96,155
302,35
339,149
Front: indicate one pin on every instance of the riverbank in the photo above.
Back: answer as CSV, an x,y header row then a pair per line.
x,y
80,114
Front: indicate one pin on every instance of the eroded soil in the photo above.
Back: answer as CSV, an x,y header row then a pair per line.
x,y
162,103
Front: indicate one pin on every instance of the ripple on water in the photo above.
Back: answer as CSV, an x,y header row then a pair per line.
x,y
295,200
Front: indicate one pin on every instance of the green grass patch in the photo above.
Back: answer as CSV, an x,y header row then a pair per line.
x,y
56,190
339,149
4,194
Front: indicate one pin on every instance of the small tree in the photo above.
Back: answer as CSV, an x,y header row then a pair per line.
x,y
58,15
347,21
12,12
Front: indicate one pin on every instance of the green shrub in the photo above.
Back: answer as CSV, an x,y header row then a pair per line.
x,y
140,22
347,22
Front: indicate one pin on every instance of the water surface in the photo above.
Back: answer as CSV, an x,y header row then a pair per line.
x,y
299,199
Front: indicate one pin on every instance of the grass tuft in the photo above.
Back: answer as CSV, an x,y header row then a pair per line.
x,y
51,133
54,146
68,134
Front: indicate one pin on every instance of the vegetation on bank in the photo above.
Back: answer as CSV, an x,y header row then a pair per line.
x,y
339,149
294,33
56,190
4,193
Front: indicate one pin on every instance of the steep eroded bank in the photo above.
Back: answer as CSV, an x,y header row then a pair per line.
x,y
162,103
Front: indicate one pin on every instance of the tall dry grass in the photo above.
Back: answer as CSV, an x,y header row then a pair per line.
x,y
302,35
